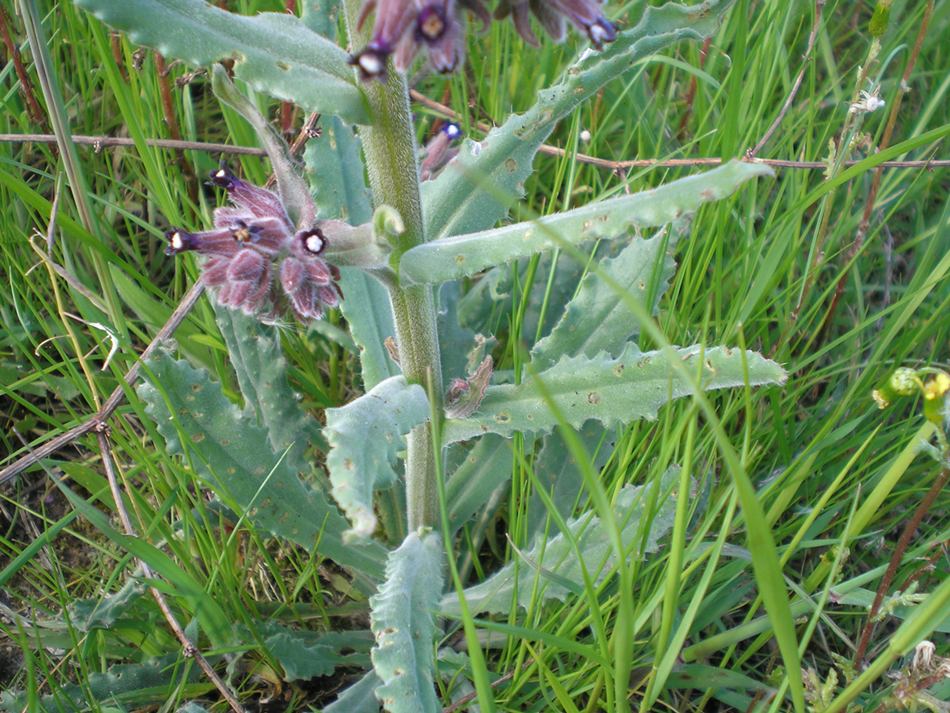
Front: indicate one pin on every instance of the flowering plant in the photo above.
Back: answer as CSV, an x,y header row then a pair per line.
x,y
377,253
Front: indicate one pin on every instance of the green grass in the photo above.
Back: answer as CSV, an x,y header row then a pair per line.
x,y
834,478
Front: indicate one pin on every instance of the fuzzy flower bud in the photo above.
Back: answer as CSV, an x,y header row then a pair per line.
x,y
903,382
440,150
254,258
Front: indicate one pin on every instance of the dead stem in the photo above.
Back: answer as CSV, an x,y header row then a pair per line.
x,y
862,230
115,398
188,648
899,549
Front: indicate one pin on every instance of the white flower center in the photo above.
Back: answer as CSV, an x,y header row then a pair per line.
x,y
314,243
371,64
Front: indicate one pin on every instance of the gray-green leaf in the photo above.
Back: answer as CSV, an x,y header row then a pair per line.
x,y
557,565
232,454
463,255
597,319
401,618
335,171
475,190
365,437
258,360
273,52
613,391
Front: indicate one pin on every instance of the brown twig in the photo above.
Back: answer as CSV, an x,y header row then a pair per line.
x,y
862,230
796,85
287,108
188,648
899,549
115,398
449,113
307,132
102,142
168,104
927,566
33,108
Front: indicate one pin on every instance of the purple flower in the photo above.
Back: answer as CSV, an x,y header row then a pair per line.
x,y
403,28
552,15
254,258
439,151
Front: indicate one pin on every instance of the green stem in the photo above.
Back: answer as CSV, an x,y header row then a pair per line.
x,y
390,149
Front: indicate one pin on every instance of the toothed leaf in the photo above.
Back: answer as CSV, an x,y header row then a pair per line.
x,y
231,453
401,618
365,437
258,360
597,319
463,255
137,685
273,52
475,190
613,391
307,654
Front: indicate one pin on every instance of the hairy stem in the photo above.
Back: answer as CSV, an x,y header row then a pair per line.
x,y
390,150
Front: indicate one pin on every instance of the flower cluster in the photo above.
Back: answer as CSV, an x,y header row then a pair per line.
x,y
254,258
404,27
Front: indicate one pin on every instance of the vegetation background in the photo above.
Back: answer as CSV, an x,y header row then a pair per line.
x,y
839,273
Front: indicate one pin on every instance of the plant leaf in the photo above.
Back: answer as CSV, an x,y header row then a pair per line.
x,y
474,190
401,619
321,16
258,360
558,564
359,697
463,255
136,684
232,455
87,614
335,169
307,654
275,53
559,475
486,467
455,341
598,319
613,391
291,187
365,437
